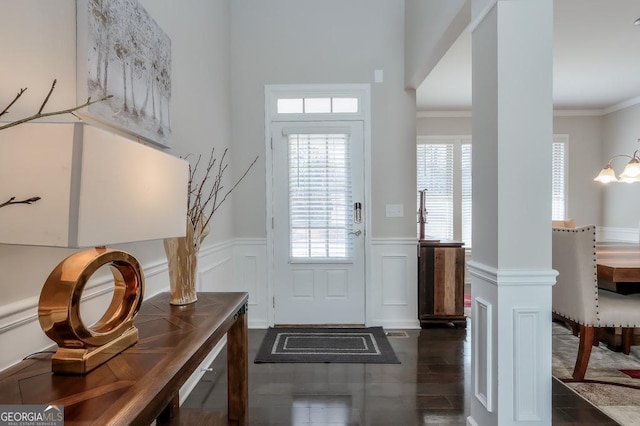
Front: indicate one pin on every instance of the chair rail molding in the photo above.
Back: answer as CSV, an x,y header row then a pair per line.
x,y
608,233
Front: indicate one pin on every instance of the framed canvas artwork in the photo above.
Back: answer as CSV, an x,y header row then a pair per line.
x,y
123,52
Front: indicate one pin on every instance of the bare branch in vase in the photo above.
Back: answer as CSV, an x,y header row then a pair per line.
x,y
11,201
41,114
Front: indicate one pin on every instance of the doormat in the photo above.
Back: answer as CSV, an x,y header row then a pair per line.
x,y
316,345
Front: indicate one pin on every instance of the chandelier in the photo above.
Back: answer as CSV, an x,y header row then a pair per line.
x,y
630,174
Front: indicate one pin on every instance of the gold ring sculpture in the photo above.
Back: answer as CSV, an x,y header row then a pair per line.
x,y
82,348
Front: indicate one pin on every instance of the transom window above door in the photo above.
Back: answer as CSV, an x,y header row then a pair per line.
x,y
328,105
317,102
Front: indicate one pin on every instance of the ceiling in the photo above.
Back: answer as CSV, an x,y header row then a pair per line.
x,y
596,60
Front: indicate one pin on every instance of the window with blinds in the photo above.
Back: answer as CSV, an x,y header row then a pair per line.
x,y
558,181
444,170
319,197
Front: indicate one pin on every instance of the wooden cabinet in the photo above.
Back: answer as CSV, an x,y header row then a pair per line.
x,y
441,283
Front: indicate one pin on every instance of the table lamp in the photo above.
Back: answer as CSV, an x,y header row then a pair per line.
x,y
97,188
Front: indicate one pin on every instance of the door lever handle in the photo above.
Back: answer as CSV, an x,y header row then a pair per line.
x,y
356,233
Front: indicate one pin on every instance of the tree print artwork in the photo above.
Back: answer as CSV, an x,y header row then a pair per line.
x,y
123,52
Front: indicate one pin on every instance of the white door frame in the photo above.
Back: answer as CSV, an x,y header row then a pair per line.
x,y
272,93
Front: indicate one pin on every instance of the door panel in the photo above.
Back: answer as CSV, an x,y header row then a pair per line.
x,y
318,235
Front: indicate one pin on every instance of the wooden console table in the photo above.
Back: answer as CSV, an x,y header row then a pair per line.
x,y
142,383
441,283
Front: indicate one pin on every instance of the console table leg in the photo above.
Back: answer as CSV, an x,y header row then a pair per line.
x,y
238,371
171,411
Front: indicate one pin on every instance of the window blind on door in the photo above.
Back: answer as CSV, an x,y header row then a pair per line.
x,y
320,196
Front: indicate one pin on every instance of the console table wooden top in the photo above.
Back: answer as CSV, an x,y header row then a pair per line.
x,y
142,383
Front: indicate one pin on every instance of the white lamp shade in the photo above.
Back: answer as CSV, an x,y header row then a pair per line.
x,y
632,169
606,175
628,179
97,188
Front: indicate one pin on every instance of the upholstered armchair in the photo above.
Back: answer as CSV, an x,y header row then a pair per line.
x,y
576,296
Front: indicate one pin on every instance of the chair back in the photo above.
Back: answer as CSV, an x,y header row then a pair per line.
x,y
575,294
567,223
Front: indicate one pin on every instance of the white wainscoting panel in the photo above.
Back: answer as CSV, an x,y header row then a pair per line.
x,y
215,268
392,283
250,263
394,272
526,333
483,352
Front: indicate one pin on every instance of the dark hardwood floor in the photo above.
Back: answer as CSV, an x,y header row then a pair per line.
x,y
430,386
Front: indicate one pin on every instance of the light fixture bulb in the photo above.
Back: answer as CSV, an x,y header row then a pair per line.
x,y
606,175
628,179
632,169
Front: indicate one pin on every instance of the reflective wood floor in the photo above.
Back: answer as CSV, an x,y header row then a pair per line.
x,y
430,386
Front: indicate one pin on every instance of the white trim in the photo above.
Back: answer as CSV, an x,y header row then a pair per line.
x,y
512,277
578,112
608,233
214,248
476,20
527,405
272,92
275,91
394,241
25,311
249,241
485,396
443,114
556,112
622,105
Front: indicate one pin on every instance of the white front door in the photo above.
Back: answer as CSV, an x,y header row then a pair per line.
x,y
318,222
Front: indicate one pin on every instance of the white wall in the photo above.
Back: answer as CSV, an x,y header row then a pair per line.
x,y
333,41
432,26
621,202
38,46
585,136
585,139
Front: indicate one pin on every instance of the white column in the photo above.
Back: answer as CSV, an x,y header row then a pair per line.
x,y
511,268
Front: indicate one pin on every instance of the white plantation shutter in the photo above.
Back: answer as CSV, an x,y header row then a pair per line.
x,y
320,205
444,169
466,193
558,186
435,174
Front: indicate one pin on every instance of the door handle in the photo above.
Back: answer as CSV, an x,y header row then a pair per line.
x,y
356,233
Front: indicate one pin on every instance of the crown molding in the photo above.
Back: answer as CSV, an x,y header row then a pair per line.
x,y
556,113
443,114
622,105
